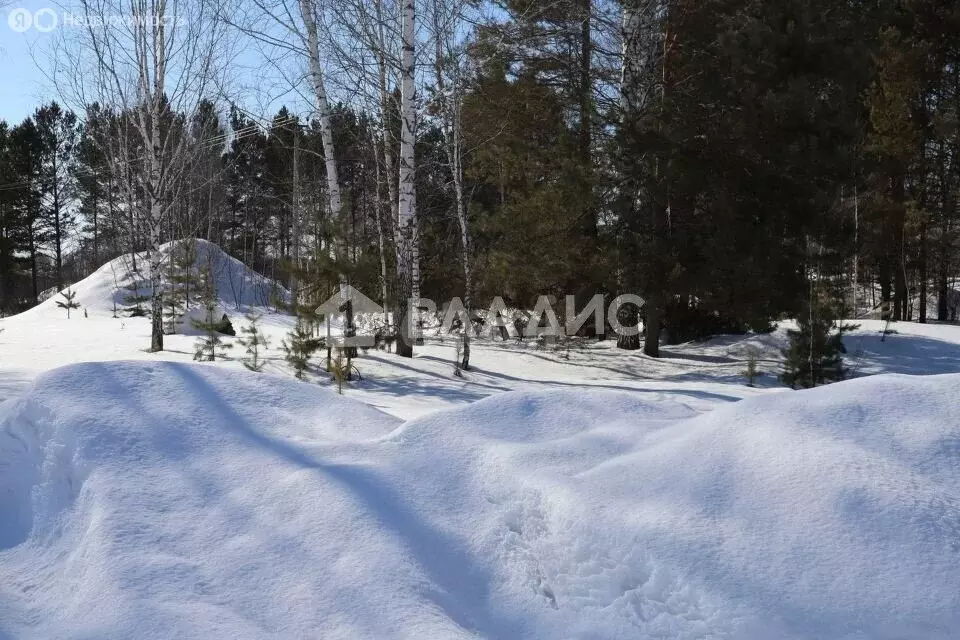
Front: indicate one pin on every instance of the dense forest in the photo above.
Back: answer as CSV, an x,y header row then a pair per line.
x,y
731,161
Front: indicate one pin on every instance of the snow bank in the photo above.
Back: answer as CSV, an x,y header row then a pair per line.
x,y
168,500
237,285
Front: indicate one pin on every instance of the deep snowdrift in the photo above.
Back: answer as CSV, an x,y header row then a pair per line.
x,y
168,500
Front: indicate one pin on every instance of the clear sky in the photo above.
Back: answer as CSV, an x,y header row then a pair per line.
x,y
23,86
259,79
25,60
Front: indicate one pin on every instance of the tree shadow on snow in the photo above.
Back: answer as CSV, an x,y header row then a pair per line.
x,y
460,585
898,353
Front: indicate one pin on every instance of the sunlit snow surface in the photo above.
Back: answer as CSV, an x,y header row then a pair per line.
x,y
595,495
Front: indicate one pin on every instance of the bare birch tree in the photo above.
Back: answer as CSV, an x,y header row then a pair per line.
x,y
364,38
449,63
150,59
297,29
408,267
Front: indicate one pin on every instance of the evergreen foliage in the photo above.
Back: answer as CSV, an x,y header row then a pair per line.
x,y
134,299
253,341
299,346
342,368
766,132
210,343
182,283
815,354
68,302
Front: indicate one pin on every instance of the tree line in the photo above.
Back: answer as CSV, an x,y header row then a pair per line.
x,y
732,161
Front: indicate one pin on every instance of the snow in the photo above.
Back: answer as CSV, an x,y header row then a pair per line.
x,y
547,494
180,500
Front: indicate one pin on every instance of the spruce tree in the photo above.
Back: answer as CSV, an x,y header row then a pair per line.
x,y
815,354
253,340
68,302
182,279
207,346
135,299
299,347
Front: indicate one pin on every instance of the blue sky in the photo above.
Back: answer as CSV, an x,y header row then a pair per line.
x,y
22,84
257,85
24,58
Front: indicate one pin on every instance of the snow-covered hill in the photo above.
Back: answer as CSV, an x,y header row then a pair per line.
x,y
237,285
170,500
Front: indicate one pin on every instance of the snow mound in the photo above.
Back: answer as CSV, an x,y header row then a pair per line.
x,y
238,286
168,500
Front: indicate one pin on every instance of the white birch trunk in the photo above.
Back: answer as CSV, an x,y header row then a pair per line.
x,y
325,117
408,267
324,113
631,53
153,97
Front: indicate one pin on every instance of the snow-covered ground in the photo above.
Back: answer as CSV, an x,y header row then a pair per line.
x,y
584,494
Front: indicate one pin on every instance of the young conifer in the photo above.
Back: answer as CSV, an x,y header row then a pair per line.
x,y
815,354
253,340
207,345
299,347
68,301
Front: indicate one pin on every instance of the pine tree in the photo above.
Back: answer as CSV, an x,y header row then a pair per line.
x,y
751,372
253,341
182,282
299,347
207,346
135,298
68,302
815,354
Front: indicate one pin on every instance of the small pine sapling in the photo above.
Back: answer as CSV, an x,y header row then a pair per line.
x,y
815,354
342,368
135,299
339,370
751,372
182,282
299,347
253,340
206,347
457,353
68,301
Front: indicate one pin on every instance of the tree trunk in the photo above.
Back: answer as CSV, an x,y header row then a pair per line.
x,y
585,137
450,108
900,276
922,267
33,268
886,288
57,231
628,316
408,267
381,246
295,222
651,326
324,115
156,106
